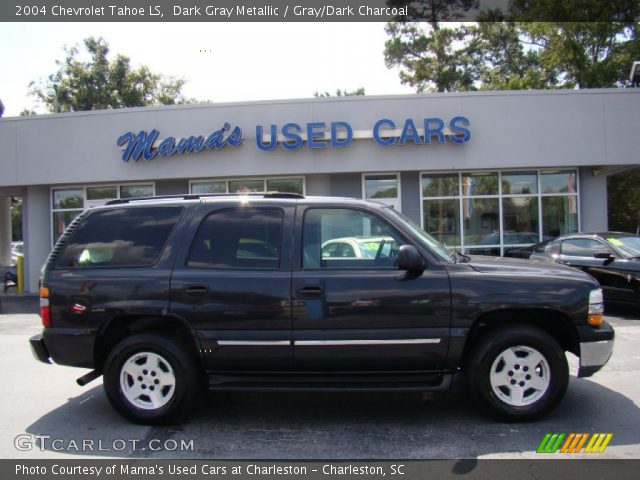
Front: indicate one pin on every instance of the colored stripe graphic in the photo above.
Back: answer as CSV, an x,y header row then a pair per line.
x,y
598,442
574,443
550,443
553,442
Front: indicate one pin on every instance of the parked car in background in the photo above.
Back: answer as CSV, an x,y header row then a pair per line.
x,y
358,247
613,258
17,250
509,239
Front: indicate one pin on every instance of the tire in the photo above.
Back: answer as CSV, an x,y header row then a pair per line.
x,y
151,379
517,373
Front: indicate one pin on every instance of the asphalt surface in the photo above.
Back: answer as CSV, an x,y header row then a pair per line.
x,y
44,414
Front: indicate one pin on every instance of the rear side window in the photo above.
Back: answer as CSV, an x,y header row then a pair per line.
x,y
123,237
239,238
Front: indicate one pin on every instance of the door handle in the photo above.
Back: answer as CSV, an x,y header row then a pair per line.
x,y
196,290
312,291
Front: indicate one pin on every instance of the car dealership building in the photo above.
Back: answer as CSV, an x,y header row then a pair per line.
x,y
480,171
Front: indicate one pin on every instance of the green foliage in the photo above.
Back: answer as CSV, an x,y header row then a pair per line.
x,y
585,54
504,63
623,199
511,50
340,93
16,219
573,10
431,57
101,83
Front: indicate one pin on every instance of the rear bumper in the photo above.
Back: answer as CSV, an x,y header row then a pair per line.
x,y
596,347
39,349
65,346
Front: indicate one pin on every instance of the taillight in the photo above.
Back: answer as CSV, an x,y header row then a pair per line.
x,y
44,307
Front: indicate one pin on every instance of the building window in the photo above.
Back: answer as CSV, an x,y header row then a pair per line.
x,y
68,203
486,213
136,191
383,188
209,187
250,185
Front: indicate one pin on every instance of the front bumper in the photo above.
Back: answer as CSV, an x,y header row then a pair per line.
x,y
596,347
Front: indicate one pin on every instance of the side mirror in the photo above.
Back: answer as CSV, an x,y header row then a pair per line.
x,y
604,255
409,259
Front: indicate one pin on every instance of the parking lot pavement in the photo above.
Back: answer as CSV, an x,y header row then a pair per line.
x,y
74,422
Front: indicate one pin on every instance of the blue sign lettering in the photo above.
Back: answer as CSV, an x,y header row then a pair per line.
x,y
433,127
337,142
455,126
293,136
409,132
273,138
142,144
429,130
314,131
340,136
290,132
386,140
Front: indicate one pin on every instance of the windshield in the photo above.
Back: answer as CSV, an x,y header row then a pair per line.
x,y
426,239
629,246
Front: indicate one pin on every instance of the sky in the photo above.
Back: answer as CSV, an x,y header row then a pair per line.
x,y
221,62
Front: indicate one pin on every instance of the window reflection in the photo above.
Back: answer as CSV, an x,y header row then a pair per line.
x,y
519,183
442,220
440,185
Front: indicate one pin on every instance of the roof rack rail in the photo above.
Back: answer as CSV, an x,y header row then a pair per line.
x,y
197,196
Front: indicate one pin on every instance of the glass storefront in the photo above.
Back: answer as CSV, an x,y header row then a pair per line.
x,y
486,213
383,188
250,185
68,203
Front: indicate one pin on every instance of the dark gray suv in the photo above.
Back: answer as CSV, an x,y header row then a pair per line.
x,y
169,295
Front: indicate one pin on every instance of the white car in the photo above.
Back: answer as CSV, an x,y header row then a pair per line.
x,y
358,247
17,250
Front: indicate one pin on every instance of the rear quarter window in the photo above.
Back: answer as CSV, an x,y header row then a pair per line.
x,y
122,237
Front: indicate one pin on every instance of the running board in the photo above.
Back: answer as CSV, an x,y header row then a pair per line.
x,y
329,382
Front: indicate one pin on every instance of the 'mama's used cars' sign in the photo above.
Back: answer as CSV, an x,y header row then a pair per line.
x,y
293,136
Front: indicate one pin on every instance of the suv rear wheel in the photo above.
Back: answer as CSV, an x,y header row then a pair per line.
x,y
518,373
151,379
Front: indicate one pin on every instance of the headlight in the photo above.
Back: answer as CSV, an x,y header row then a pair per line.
x,y
596,307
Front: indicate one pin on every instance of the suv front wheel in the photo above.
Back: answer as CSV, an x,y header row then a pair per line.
x,y
518,373
151,379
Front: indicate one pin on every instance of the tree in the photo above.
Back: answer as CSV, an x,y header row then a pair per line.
x,y
341,93
511,50
16,219
503,62
432,56
101,83
623,199
585,54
